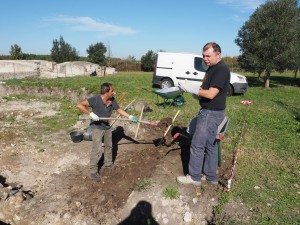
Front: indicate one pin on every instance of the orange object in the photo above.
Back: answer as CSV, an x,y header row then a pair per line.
x,y
246,102
123,95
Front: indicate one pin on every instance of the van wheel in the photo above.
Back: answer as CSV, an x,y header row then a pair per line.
x,y
229,90
166,83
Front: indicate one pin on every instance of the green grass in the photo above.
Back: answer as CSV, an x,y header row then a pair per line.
x,y
269,153
223,199
170,192
269,148
128,82
143,184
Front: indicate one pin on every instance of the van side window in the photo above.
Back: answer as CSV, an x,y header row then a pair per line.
x,y
198,64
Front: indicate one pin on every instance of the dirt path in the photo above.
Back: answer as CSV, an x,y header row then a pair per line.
x,y
52,176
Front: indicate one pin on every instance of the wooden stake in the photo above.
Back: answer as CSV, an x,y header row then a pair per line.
x,y
162,140
171,123
138,126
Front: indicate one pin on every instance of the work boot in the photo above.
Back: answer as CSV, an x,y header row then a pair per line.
x,y
95,176
187,180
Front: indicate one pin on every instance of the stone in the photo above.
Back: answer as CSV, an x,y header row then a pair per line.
x,y
139,105
187,217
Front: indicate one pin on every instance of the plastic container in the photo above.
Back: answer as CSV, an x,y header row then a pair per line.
x,y
76,136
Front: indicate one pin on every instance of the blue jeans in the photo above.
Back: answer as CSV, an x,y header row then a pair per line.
x,y
204,147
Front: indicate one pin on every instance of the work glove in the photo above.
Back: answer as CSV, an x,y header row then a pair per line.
x,y
94,116
133,119
187,87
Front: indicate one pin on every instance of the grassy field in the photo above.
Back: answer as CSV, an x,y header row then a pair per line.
x,y
267,172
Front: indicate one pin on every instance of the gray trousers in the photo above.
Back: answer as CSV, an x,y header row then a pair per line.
x,y
97,149
204,148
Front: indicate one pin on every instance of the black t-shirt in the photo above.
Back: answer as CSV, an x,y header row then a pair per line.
x,y
102,110
217,76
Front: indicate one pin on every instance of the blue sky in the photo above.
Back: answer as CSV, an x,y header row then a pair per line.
x,y
128,27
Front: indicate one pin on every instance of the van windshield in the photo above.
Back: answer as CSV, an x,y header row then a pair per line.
x,y
199,64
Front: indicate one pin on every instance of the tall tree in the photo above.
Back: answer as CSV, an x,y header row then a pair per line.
x,y
63,52
16,52
96,53
147,61
267,40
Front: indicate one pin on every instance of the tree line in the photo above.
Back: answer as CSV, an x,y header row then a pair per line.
x,y
62,51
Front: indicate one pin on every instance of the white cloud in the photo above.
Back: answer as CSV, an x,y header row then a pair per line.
x,y
89,24
242,5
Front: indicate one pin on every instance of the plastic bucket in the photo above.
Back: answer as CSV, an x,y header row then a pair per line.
x,y
76,136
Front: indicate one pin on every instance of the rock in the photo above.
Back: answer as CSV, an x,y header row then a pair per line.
x,y
16,218
67,216
78,204
195,200
165,220
187,217
19,117
158,216
4,196
139,105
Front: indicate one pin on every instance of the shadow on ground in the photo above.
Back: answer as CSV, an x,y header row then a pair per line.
x,y
141,214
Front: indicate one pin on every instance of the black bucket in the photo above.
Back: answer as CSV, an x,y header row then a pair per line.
x,y
76,136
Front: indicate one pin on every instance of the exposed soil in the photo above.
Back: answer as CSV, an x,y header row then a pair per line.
x,y
44,176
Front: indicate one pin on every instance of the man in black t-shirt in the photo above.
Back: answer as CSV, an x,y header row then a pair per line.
x,y
102,106
212,93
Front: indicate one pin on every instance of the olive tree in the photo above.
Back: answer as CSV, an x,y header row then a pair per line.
x,y
269,38
96,53
63,52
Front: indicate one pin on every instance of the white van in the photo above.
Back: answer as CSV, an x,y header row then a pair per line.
x,y
171,67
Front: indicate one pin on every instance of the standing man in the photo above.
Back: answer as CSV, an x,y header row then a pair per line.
x,y
102,106
204,148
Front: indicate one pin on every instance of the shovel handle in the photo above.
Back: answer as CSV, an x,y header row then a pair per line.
x,y
172,123
154,123
140,88
123,95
